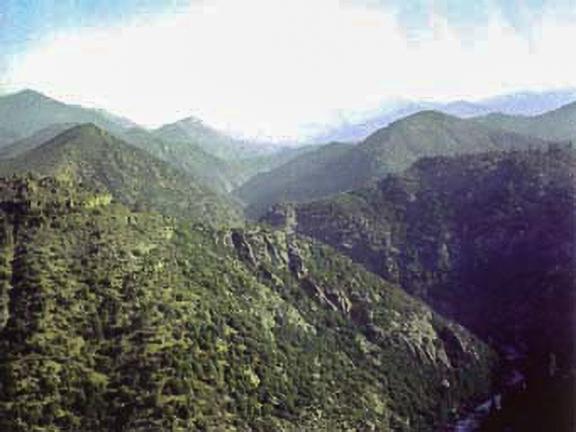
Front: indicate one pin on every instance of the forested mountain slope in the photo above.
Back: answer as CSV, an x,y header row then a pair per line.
x,y
27,112
116,320
487,239
558,125
339,168
93,156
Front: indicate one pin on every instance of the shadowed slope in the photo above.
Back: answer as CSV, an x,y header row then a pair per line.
x,y
338,168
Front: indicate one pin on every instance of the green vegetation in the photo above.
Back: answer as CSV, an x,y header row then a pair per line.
x,y
211,140
27,112
188,157
486,239
29,119
133,299
119,320
557,125
343,167
89,155
241,159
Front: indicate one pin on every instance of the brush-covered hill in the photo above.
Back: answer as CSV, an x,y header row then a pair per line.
x,y
188,157
489,241
27,112
337,168
557,125
123,321
211,140
23,145
243,158
486,239
29,119
185,156
93,156
315,174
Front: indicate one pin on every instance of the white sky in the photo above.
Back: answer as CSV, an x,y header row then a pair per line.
x,y
276,69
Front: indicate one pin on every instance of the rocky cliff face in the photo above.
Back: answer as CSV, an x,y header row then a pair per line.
x,y
383,323
485,239
357,301
112,319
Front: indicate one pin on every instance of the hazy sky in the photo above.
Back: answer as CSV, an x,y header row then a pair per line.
x,y
277,67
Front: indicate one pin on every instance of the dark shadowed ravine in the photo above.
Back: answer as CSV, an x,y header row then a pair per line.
x,y
512,380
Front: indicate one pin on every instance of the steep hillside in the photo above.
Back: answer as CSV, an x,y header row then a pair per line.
x,y
29,119
88,154
304,177
27,112
188,157
23,145
7,136
123,321
487,239
211,140
340,168
244,158
559,125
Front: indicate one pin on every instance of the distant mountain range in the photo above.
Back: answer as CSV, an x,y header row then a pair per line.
x,y
559,124
523,103
262,173
212,141
342,167
28,119
27,112
134,296
243,158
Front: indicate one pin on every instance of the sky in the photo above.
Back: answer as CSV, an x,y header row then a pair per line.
x,y
281,69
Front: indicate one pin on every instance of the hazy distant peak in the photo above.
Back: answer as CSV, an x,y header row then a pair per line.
x,y
186,124
28,96
191,120
563,109
29,93
426,116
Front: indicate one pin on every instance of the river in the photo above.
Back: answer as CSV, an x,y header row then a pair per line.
x,y
513,380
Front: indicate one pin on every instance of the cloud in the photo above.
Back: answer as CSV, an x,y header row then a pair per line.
x,y
275,68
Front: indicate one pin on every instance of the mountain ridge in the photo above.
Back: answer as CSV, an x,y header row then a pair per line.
x,y
390,149
120,320
28,111
558,125
93,155
496,227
